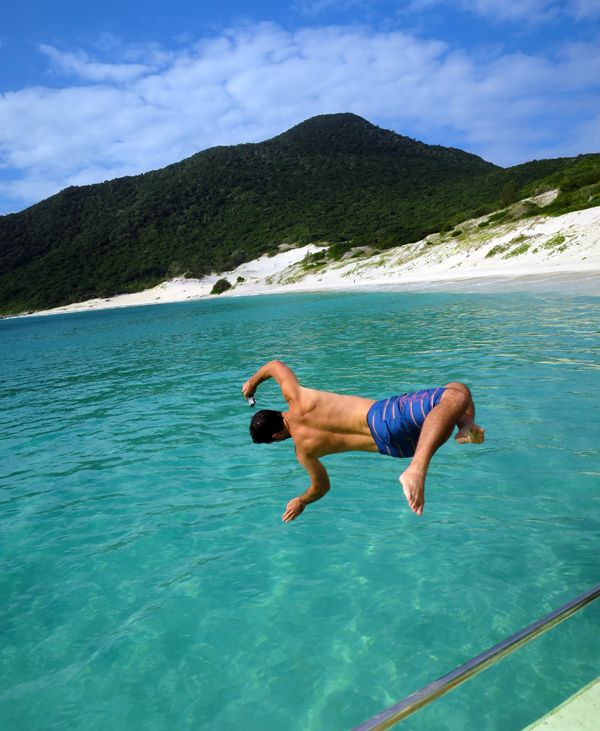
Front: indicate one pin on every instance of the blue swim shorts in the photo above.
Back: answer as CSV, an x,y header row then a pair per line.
x,y
397,422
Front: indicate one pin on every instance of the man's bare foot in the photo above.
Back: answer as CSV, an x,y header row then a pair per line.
x,y
413,484
471,433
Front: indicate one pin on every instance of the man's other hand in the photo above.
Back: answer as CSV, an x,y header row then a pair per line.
x,y
293,510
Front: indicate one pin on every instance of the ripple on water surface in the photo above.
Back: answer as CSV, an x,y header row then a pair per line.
x,y
147,581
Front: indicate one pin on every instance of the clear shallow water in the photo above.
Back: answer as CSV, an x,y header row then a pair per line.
x,y
146,579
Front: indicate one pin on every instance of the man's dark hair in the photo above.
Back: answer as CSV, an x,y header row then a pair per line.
x,y
265,423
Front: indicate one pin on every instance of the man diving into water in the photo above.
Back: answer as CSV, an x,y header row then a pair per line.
x,y
320,423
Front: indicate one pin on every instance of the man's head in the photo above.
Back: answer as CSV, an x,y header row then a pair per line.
x,y
267,426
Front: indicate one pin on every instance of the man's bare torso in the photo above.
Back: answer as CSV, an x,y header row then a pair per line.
x,y
323,423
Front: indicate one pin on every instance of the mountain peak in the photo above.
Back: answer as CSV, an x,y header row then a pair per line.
x,y
344,132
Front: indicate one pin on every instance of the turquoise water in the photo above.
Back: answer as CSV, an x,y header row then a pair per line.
x,y
146,578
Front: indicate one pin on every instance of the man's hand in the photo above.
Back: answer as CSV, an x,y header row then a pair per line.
x,y
293,510
248,390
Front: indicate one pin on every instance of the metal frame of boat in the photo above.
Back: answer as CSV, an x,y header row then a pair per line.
x,y
399,711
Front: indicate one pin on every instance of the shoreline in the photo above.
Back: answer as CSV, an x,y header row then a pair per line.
x,y
541,254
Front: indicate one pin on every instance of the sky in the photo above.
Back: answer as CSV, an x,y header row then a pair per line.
x,y
91,91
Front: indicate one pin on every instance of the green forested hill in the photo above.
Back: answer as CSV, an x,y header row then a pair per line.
x,y
332,178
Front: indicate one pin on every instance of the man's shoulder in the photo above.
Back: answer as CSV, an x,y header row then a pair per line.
x,y
303,435
302,401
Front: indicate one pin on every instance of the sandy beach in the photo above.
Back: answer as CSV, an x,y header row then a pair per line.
x,y
559,254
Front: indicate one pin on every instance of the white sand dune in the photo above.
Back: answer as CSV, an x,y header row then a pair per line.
x,y
536,253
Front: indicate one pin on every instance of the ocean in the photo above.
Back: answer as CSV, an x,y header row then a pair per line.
x,y
148,582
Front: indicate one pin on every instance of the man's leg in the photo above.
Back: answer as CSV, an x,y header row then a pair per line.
x,y
468,431
455,408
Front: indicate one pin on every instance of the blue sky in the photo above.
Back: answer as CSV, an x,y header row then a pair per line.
x,y
92,91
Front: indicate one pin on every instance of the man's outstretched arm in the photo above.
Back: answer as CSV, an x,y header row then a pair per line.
x,y
284,376
319,486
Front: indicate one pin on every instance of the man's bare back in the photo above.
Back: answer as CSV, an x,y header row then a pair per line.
x,y
322,423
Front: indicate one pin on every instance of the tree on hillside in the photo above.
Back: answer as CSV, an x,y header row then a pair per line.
x,y
510,193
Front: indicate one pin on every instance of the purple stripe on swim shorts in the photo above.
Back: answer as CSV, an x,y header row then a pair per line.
x,y
373,429
412,415
399,448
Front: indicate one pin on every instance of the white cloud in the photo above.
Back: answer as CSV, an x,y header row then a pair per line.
x,y
531,11
583,9
250,84
79,65
508,10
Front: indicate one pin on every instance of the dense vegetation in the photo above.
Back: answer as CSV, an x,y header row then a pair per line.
x,y
334,178
576,178
221,285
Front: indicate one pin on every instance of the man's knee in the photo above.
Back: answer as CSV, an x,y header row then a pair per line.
x,y
459,393
457,386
